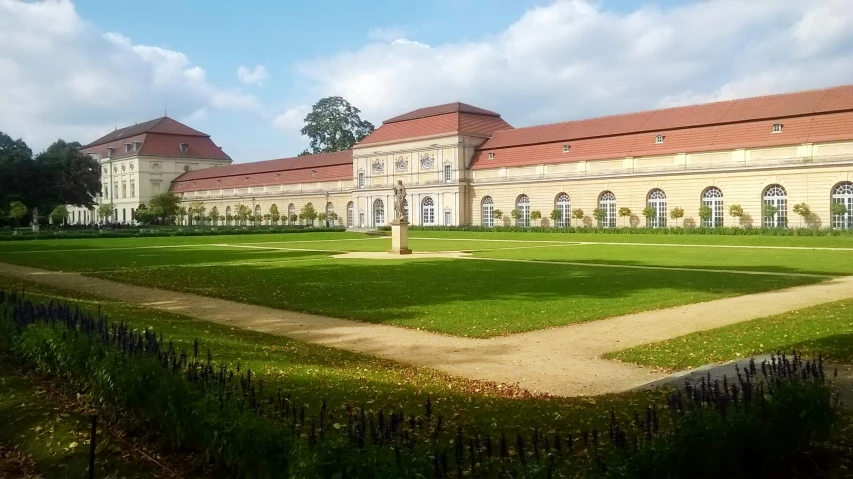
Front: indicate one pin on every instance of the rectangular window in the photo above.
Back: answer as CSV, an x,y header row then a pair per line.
x,y
448,218
132,189
659,139
115,190
777,128
448,174
361,180
123,189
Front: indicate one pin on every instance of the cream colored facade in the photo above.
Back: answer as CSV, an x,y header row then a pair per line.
x,y
442,190
130,181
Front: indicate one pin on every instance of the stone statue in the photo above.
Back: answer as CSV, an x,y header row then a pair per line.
x,y
399,200
35,216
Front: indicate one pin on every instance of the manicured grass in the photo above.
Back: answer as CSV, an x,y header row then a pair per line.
x,y
827,329
54,436
312,373
474,298
835,262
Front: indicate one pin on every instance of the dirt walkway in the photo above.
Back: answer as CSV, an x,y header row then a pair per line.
x,y
562,361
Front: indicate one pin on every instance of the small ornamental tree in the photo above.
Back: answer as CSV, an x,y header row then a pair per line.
x,y
498,214
267,218
308,213
838,209
182,211
650,212
736,211
555,217
294,218
769,212
333,218
105,212
676,214
804,211
705,213
274,214
196,211
322,217
514,215
229,219
536,215
17,210
577,214
599,214
59,214
242,213
213,216
624,212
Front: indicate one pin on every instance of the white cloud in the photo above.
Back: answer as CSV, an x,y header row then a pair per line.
x,y
575,58
60,77
255,76
386,34
292,118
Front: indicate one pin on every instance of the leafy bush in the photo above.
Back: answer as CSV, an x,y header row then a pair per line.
x,y
156,232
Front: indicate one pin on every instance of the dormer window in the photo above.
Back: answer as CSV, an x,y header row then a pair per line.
x,y
777,128
110,151
184,147
127,147
491,156
566,148
313,172
137,145
659,139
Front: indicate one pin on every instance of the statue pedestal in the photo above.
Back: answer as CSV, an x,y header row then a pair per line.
x,y
400,237
35,228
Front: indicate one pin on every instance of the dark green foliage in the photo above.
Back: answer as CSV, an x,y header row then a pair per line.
x,y
158,232
334,125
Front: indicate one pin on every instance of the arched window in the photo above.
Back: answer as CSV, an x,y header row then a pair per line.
x,y
522,206
378,213
228,217
258,216
713,198
309,206
427,211
842,195
274,207
564,210
291,210
775,207
330,214
657,200
350,214
607,202
488,206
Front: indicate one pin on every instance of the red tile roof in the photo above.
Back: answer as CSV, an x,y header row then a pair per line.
x,y
753,134
158,144
163,125
718,113
437,121
301,169
436,110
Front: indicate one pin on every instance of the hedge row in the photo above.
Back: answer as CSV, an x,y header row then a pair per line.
x,y
728,230
158,232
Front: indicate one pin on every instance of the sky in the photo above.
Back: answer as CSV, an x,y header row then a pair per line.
x,y
248,72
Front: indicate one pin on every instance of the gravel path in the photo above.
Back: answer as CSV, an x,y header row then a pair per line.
x,y
561,361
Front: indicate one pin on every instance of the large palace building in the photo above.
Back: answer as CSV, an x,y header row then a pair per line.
x,y
461,164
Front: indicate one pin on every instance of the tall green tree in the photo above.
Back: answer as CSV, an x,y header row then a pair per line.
x,y
67,176
164,207
17,170
334,125
17,210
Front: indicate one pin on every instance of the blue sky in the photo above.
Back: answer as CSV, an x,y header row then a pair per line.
x,y
75,69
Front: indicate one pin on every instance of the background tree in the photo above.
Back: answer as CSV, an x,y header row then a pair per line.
x,y
309,214
213,216
804,211
705,213
17,170
624,212
196,211
165,206
105,212
536,215
144,215
514,214
599,214
334,125
323,217
498,214
294,218
242,213
67,176
577,214
17,210
649,212
676,214
59,214
555,217
838,209
274,214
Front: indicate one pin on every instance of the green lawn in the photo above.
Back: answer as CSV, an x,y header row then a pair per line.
x,y
475,298
827,329
312,373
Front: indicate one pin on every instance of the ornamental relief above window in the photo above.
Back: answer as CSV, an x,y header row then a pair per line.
x,y
427,162
402,164
378,166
